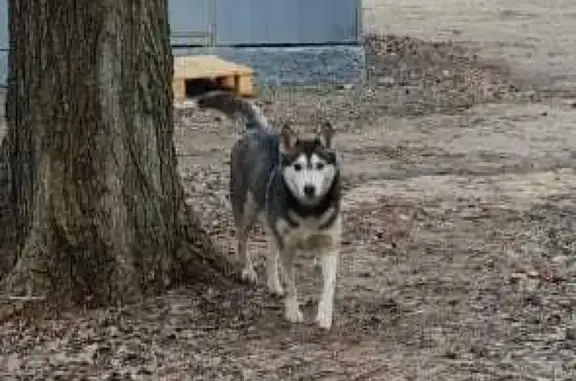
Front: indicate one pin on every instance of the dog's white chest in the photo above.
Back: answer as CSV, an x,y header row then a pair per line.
x,y
310,241
308,235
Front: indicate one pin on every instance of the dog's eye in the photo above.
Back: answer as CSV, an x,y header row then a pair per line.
x,y
297,167
319,166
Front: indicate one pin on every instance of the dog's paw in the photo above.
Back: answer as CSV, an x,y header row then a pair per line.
x,y
275,288
293,313
249,275
316,265
324,319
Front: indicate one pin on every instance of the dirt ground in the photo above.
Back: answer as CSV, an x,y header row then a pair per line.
x,y
459,260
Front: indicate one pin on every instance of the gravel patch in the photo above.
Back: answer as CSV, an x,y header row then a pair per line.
x,y
294,65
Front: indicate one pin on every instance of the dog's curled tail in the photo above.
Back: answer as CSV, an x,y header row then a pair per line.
x,y
234,107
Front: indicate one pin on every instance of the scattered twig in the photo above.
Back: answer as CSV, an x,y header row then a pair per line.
x,y
22,298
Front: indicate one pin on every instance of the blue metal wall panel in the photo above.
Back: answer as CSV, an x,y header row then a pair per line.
x,y
4,42
287,21
256,21
191,21
3,67
327,21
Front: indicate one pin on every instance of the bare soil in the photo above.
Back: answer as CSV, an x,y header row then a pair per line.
x,y
459,260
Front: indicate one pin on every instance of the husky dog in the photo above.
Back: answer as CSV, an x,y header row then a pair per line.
x,y
291,185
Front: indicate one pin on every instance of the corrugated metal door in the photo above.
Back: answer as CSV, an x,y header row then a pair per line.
x,y
4,41
191,22
259,22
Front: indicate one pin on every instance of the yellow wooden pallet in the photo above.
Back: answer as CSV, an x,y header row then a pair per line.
x,y
192,70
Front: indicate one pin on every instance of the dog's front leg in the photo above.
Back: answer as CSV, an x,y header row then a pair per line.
x,y
274,284
292,308
329,264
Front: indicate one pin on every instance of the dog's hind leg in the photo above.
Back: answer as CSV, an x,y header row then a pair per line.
x,y
245,214
292,308
272,261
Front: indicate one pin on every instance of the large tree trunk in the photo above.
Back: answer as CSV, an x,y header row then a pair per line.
x,y
97,210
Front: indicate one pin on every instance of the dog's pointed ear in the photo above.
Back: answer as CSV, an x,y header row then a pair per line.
x,y
325,134
288,138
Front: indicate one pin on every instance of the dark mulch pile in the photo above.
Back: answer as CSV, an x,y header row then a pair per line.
x,y
405,77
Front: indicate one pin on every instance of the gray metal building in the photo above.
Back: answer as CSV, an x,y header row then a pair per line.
x,y
260,22
286,41
4,41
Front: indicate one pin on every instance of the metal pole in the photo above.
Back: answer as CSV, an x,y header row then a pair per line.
x,y
359,21
212,17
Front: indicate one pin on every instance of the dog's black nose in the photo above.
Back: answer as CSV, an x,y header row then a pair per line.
x,y
309,190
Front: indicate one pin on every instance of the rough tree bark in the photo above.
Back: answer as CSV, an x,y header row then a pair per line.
x,y
96,209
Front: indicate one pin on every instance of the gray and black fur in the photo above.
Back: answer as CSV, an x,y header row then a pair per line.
x,y
291,184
